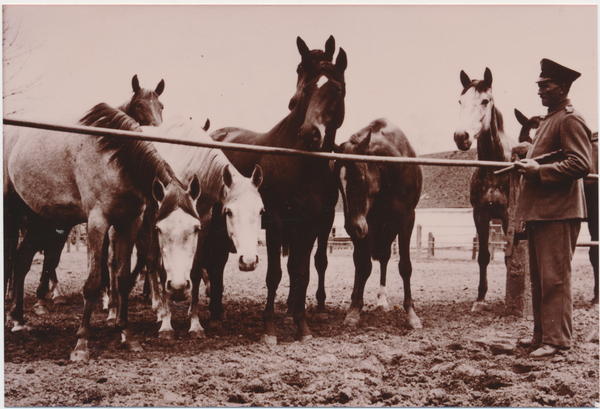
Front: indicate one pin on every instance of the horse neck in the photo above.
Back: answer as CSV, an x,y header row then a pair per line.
x,y
492,143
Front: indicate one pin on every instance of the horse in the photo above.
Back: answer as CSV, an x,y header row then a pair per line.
x,y
66,179
590,186
238,201
379,204
143,109
299,193
480,119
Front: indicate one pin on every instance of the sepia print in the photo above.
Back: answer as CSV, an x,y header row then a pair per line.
x,y
196,197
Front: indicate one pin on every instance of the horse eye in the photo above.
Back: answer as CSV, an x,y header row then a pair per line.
x,y
158,230
227,212
196,229
262,211
459,102
485,102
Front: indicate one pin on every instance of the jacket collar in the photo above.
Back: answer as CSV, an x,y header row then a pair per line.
x,y
559,107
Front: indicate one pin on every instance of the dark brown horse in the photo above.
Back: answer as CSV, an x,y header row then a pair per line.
x,y
297,191
143,109
379,204
528,129
480,119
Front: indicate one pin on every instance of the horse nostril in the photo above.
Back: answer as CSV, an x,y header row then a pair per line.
x,y
169,286
257,259
188,285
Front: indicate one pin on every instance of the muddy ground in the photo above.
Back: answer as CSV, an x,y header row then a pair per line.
x,y
459,358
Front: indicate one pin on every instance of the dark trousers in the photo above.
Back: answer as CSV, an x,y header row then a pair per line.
x,y
551,247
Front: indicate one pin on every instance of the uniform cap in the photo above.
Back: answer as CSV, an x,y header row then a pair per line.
x,y
552,71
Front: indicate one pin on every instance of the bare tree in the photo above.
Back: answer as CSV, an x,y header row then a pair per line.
x,y
15,57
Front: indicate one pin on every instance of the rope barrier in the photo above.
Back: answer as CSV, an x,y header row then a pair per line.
x,y
86,130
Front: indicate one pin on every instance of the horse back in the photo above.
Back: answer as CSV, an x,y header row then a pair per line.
x,y
244,162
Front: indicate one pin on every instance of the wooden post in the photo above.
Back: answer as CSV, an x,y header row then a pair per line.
x,y
77,236
518,284
419,230
431,245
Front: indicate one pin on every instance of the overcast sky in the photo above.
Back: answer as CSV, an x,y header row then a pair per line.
x,y
237,64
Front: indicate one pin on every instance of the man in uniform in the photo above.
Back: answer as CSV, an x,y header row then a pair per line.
x,y
552,203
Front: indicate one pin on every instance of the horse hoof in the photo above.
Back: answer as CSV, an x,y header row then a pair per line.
x,y
303,338
80,355
131,346
478,306
382,308
197,334
268,339
40,309
60,300
170,334
415,324
111,322
18,327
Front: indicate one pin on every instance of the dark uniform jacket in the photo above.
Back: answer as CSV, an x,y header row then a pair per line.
x,y
557,192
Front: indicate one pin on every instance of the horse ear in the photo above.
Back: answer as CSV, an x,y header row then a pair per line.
x,y
135,83
158,190
227,178
520,117
487,77
329,48
364,144
206,125
160,87
257,176
302,48
194,188
342,60
464,79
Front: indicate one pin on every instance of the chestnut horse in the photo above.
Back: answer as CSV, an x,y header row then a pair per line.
x,y
480,120
379,204
590,186
299,193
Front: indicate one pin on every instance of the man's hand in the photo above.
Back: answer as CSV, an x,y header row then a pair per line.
x,y
528,167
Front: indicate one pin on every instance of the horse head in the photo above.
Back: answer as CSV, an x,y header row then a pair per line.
x,y
359,183
177,227
476,106
322,103
242,210
311,59
529,126
144,106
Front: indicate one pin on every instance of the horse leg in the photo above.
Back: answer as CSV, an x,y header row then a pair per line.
x,y
123,236
482,224
321,263
273,239
97,229
299,269
11,243
196,330
405,268
32,243
382,302
362,271
53,248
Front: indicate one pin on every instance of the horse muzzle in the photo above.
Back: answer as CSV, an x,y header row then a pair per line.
x,y
312,138
358,229
178,292
248,263
462,140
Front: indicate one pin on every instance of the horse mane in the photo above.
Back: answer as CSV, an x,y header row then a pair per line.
x,y
174,200
137,159
105,116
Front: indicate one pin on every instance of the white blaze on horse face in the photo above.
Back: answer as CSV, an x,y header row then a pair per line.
x,y
178,234
475,113
243,220
322,81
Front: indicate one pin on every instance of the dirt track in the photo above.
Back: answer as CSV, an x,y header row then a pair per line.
x,y
458,359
